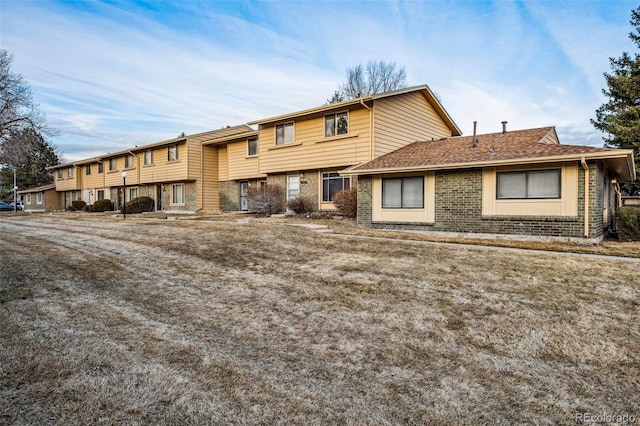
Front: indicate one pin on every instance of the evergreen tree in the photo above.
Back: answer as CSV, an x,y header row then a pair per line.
x,y
619,117
30,154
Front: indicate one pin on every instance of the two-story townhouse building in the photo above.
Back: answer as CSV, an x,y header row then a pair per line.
x,y
304,151
176,173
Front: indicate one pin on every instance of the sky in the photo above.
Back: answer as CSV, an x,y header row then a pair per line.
x,y
115,74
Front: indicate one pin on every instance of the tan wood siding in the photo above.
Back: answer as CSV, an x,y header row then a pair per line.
x,y
241,166
311,150
210,186
95,179
401,120
67,183
162,170
223,163
194,159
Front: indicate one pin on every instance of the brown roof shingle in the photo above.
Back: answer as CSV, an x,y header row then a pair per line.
x,y
490,148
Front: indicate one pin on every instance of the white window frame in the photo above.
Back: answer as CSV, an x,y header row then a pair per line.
x,y
526,174
113,164
252,141
28,198
128,161
39,198
148,157
172,149
69,172
133,192
174,200
60,173
327,177
334,130
100,195
403,181
100,167
284,126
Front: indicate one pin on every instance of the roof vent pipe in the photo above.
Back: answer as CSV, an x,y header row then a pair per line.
x,y
504,127
475,141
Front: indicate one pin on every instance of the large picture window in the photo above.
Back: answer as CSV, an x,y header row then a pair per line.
x,y
528,184
336,124
284,134
403,193
332,183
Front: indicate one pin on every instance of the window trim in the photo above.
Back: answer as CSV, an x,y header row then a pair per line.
x,y
326,178
39,198
113,164
293,133
28,198
249,141
60,174
128,161
148,154
100,167
173,200
402,179
335,127
87,170
69,172
177,157
526,184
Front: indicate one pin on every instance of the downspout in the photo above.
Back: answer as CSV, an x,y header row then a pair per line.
x,y
586,196
370,129
200,201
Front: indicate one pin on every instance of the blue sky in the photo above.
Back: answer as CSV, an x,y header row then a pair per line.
x,y
115,74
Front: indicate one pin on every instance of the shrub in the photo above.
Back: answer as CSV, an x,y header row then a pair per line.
x,y
76,205
268,199
628,223
102,206
346,202
300,205
140,205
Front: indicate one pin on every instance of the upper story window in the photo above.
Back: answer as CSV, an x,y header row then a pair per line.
x,y
88,169
100,167
128,161
59,173
252,147
148,157
172,153
336,124
284,133
70,172
112,164
528,184
403,193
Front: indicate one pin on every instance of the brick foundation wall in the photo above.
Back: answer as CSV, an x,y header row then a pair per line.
x,y
458,208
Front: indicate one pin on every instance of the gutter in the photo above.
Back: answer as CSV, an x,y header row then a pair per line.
x,y
586,196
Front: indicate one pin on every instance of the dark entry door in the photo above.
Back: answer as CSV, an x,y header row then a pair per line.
x,y
158,198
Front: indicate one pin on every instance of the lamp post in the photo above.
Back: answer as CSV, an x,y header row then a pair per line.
x,y
15,192
124,194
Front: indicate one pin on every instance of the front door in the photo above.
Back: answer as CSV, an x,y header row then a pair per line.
x,y
293,187
244,202
158,198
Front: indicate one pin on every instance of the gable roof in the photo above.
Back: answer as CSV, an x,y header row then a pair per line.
x,y
424,89
539,145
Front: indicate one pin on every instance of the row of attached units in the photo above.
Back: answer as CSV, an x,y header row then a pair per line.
x,y
406,156
303,152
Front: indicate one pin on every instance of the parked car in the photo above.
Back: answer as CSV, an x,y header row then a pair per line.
x,y
20,205
4,207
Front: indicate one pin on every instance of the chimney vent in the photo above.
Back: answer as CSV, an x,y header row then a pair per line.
x,y
504,127
475,141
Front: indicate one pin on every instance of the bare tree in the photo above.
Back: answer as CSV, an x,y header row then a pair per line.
x,y
17,109
375,77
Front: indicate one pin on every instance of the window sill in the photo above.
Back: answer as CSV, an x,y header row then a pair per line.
x,y
337,138
287,145
251,156
112,171
148,165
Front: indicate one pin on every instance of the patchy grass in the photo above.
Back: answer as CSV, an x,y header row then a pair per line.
x,y
205,322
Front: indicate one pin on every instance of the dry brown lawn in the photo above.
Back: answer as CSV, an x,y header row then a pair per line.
x,y
151,321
